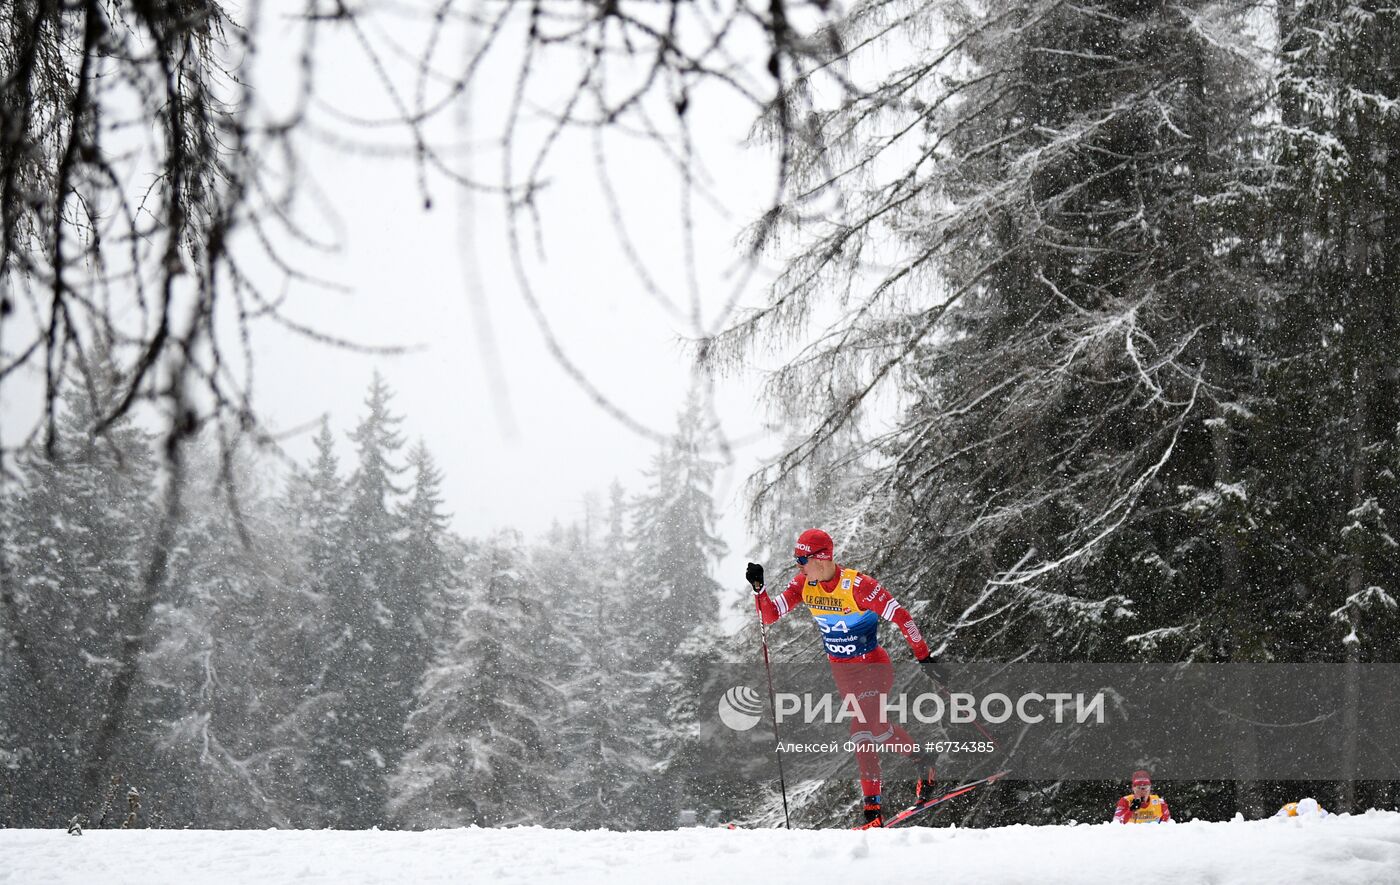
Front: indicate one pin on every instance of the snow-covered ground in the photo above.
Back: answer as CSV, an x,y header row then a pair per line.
x,y
1344,849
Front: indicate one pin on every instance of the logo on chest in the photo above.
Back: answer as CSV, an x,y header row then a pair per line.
x,y
826,603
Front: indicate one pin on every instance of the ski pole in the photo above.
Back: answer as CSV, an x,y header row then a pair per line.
x,y
773,709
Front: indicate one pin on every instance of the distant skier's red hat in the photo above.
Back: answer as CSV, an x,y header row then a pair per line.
x,y
813,544
1141,778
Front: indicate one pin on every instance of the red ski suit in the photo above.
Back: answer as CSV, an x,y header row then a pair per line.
x,y
848,609
1153,811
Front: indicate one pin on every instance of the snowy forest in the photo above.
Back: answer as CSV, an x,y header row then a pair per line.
x,y
1093,307
325,652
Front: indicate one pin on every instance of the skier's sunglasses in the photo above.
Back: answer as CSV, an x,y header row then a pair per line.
x,y
802,560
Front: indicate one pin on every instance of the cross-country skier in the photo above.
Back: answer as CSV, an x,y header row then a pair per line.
x,y
848,606
1142,806
1302,808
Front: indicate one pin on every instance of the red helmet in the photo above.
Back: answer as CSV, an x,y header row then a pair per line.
x,y
813,544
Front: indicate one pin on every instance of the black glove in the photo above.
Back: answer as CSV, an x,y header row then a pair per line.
x,y
1135,804
754,575
935,672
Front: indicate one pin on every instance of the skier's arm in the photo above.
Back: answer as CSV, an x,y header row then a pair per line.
x,y
1166,813
873,597
769,610
1120,814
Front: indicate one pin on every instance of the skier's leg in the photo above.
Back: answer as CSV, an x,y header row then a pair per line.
x,y
850,686
873,682
882,677
876,679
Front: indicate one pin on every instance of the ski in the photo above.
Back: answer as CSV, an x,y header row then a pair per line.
x,y
921,807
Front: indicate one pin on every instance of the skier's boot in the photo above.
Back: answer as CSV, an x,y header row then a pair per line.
x,y
872,813
925,774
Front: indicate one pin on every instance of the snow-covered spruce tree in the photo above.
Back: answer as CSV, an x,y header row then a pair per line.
x,y
607,761
315,512
673,541
1327,444
1184,537
432,565
482,747
1094,160
316,507
616,688
675,600
1336,223
233,651
79,527
375,654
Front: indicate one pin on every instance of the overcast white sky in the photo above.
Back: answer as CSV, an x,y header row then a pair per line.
x,y
520,444
533,461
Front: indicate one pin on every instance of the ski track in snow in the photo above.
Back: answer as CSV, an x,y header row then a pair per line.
x,y
1338,850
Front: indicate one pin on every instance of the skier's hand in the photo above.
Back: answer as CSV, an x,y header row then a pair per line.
x,y
935,672
754,575
1135,804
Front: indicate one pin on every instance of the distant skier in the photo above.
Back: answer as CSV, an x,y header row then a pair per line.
x,y
848,606
1302,808
1142,806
